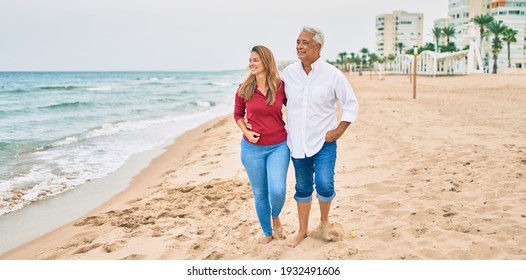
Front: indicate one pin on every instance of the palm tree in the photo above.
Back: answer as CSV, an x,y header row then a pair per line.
x,y
482,21
352,60
508,36
364,52
496,28
390,58
400,47
342,56
428,47
449,32
373,58
437,32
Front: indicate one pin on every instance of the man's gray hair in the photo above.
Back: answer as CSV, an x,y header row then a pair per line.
x,y
318,34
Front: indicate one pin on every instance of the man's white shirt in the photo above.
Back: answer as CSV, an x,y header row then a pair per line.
x,y
311,105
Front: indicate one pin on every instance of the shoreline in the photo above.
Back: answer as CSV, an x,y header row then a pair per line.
x,y
45,216
439,177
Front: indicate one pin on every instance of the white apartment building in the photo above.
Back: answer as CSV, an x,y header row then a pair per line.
x,y
460,13
513,15
510,13
398,27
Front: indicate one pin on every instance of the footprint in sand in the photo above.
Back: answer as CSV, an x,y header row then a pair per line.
x,y
332,232
134,257
88,248
112,247
215,255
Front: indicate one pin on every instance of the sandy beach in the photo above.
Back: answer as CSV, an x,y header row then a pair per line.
x,y
438,177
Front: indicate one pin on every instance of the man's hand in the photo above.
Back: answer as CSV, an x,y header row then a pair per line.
x,y
336,133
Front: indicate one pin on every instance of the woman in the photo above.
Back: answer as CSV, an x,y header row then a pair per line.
x,y
264,152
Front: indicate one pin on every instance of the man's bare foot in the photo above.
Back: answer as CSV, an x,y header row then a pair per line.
x,y
278,233
297,240
265,240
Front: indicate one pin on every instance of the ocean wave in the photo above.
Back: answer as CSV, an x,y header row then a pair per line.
x,y
221,84
18,90
67,105
59,87
56,88
108,129
74,125
74,160
67,140
64,105
98,88
4,144
153,84
205,104
16,147
167,100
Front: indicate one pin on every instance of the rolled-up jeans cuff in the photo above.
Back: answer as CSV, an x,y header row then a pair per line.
x,y
326,199
303,199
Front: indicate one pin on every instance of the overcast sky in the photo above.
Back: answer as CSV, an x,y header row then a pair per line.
x,y
183,35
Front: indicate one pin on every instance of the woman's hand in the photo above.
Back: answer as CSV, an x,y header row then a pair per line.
x,y
252,136
247,124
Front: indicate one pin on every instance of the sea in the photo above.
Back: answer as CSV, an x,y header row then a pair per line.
x,y
60,130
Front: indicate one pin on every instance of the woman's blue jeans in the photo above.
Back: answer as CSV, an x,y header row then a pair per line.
x,y
267,168
318,171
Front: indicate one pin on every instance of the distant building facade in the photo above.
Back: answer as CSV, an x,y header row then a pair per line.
x,y
398,27
513,15
510,13
462,12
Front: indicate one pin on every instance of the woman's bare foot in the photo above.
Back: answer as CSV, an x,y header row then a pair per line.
x,y
265,240
296,240
278,229
278,233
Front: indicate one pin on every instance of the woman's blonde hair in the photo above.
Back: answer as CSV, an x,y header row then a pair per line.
x,y
248,87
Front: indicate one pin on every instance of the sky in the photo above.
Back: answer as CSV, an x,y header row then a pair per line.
x,y
183,35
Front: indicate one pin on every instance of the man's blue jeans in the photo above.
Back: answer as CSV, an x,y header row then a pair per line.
x,y
318,171
266,168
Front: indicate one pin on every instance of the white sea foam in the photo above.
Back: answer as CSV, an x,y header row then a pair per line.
x,y
222,84
66,141
74,161
99,88
63,147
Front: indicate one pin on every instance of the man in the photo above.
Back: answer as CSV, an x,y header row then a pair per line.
x,y
313,87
